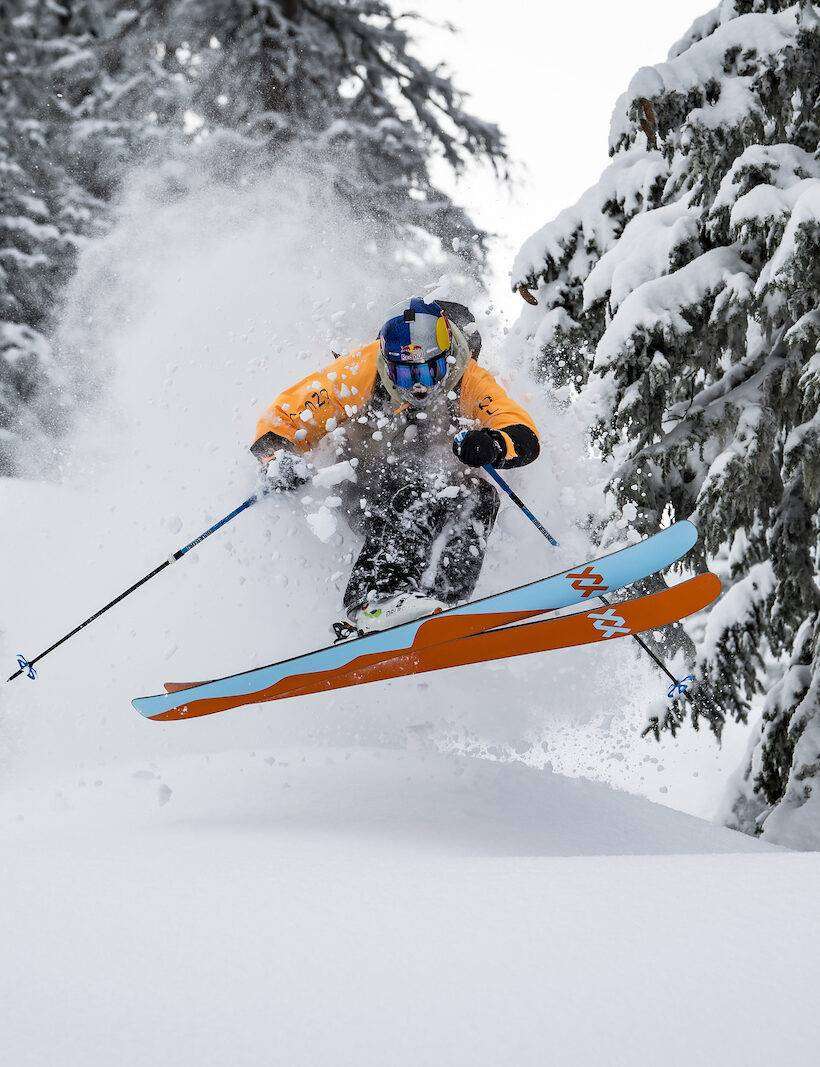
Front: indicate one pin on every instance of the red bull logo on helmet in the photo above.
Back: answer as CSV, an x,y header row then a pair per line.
x,y
412,353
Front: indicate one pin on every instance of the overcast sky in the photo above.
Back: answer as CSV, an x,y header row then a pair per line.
x,y
549,75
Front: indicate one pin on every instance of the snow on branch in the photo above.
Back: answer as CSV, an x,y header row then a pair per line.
x,y
595,222
733,48
648,248
658,308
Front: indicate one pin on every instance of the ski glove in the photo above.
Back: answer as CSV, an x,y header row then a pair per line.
x,y
477,447
286,472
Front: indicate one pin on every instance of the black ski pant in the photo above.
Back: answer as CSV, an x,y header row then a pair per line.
x,y
410,523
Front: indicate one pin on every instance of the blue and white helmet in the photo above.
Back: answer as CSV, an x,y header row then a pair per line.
x,y
416,350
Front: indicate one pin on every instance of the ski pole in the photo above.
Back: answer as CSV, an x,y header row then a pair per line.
x,y
679,686
516,499
27,665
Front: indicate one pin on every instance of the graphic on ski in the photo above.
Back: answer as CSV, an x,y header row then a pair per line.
x,y
614,571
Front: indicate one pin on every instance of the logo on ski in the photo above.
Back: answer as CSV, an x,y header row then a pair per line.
x,y
609,623
588,582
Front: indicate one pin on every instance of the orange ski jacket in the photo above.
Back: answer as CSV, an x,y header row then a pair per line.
x,y
301,416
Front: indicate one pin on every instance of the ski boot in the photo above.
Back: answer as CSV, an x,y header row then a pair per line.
x,y
382,614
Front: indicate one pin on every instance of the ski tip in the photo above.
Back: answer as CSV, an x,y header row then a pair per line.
x,y
705,587
689,529
713,584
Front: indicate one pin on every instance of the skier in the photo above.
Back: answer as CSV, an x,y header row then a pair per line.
x,y
414,415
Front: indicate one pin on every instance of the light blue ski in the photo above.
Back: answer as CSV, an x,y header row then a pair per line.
x,y
577,584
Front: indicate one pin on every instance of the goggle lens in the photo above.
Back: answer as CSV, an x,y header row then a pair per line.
x,y
406,375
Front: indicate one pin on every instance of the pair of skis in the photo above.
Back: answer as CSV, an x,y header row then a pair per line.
x,y
491,628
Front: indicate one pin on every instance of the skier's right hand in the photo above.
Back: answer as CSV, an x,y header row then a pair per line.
x,y
479,447
285,472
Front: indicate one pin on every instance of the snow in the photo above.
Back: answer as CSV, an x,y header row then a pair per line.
x,y
37,231
764,33
737,605
395,874
554,320
796,821
767,201
323,523
642,253
334,474
627,181
702,26
784,164
745,440
805,216
737,103
365,906
18,342
659,305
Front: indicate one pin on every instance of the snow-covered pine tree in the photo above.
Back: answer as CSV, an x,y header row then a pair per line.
x,y
338,79
42,213
78,102
681,295
89,87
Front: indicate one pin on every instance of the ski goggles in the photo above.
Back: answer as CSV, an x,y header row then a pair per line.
x,y
406,375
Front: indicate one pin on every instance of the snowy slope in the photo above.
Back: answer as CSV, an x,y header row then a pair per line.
x,y
366,906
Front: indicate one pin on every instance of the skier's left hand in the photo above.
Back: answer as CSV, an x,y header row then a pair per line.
x,y
286,472
478,447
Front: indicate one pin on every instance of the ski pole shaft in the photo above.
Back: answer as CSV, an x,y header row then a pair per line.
x,y
657,660
28,665
516,499
493,473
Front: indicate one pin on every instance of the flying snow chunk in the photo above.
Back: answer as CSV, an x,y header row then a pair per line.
x,y
322,523
335,474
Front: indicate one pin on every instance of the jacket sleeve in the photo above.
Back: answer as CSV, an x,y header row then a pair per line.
x,y
301,415
484,400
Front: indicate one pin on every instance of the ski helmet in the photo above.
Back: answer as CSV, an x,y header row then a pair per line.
x,y
416,351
